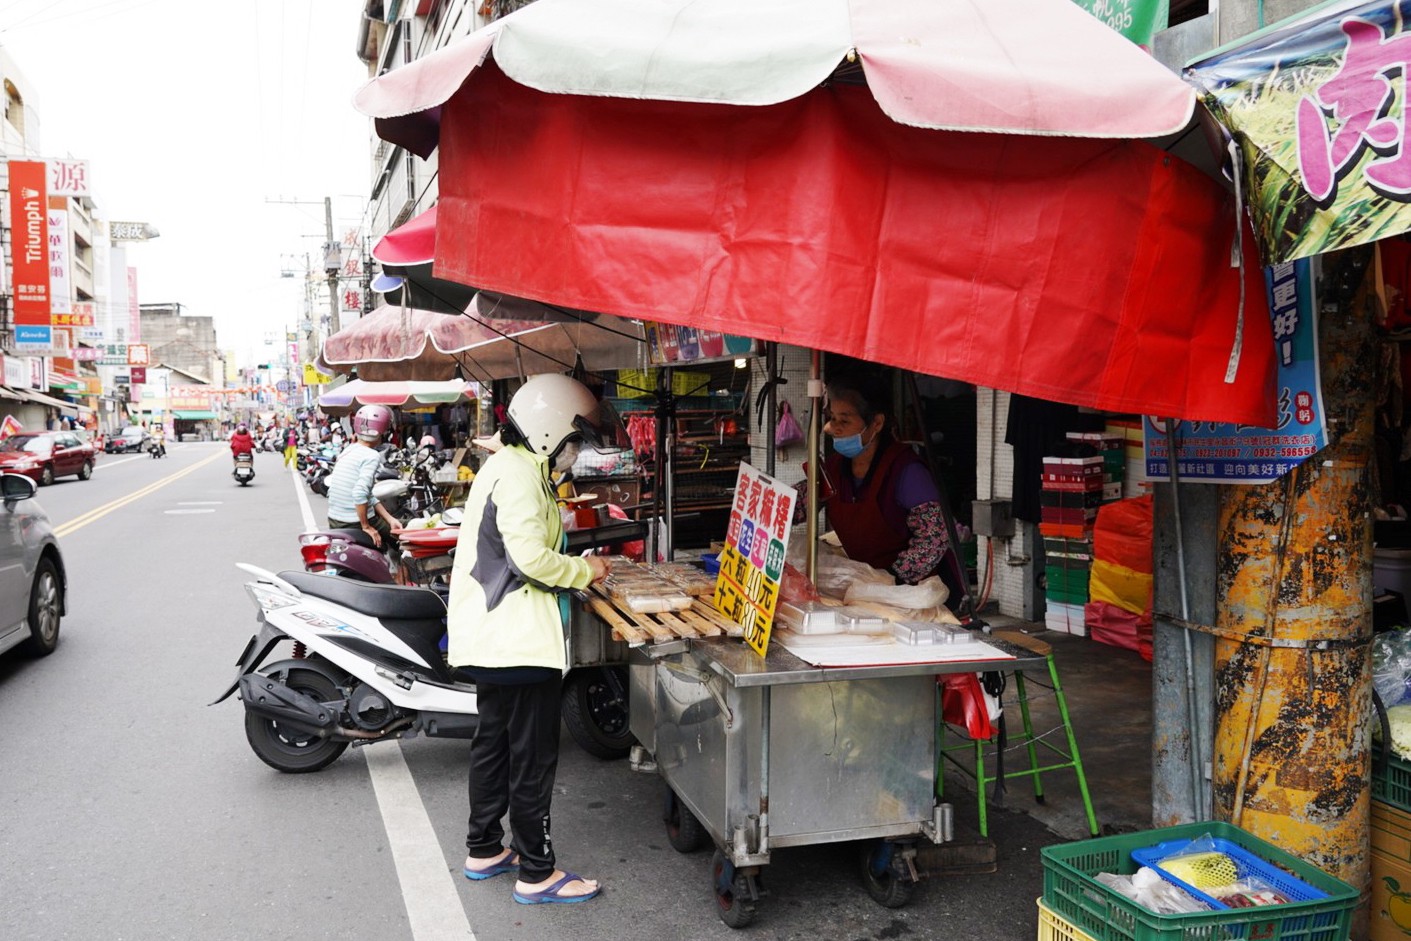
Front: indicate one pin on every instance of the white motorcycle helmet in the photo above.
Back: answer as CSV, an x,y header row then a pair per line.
x,y
551,412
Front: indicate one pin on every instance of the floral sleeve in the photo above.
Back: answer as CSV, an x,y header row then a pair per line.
x,y
928,543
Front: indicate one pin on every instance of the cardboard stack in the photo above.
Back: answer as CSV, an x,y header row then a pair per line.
x,y
1073,490
1071,495
1135,483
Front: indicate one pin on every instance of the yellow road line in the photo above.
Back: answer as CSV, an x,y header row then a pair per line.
x,y
84,519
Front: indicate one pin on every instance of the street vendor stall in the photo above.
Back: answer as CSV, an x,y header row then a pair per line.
x,y
846,177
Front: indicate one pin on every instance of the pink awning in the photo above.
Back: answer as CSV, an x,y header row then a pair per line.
x,y
394,343
411,243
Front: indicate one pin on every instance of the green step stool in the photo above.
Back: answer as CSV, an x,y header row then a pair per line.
x,y
976,768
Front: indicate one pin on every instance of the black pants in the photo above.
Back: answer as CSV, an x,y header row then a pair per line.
x,y
513,760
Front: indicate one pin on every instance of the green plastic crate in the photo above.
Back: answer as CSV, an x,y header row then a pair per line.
x,y
1072,892
1394,786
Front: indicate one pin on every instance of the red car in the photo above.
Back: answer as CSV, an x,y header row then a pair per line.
x,y
44,455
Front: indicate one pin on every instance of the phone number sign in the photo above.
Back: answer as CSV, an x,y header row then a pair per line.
x,y
752,562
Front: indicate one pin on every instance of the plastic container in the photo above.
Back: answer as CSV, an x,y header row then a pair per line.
x,y
1246,865
1053,927
1392,786
1391,569
808,617
1089,906
918,633
711,561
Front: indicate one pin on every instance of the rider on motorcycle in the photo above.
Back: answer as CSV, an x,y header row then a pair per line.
x,y
241,442
351,504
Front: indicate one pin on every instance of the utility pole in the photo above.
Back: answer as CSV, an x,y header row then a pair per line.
x,y
1292,671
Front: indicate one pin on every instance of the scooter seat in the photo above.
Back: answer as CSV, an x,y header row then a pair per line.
x,y
402,602
352,534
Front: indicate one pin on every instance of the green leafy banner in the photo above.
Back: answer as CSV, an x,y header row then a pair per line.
x,y
1316,107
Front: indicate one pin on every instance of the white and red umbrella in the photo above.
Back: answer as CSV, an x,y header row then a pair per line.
x,y
397,394
849,175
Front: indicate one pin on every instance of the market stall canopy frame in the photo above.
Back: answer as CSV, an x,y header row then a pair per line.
x,y
1073,268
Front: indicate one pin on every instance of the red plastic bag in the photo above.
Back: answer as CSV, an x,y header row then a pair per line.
x,y
963,704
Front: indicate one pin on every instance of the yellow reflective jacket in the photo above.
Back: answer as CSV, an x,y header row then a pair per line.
x,y
503,610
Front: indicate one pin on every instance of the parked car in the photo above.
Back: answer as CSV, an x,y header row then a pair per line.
x,y
33,584
44,455
131,438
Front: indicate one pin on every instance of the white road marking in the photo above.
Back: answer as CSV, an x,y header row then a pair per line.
x,y
185,512
106,462
434,907
199,502
304,507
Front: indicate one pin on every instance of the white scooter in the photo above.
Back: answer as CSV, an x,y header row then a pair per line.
x,y
366,666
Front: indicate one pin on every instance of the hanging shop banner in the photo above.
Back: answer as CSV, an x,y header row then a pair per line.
x,y
752,562
669,344
60,277
1316,104
312,377
1228,453
29,252
68,177
1138,20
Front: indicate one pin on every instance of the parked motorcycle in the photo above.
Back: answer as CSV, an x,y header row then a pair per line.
x,y
366,667
244,468
348,553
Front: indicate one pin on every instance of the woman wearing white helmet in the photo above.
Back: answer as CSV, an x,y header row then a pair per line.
x,y
506,620
351,504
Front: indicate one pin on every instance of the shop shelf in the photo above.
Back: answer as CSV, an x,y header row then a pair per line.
x,y
1072,892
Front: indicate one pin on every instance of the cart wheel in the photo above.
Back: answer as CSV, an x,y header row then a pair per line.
x,y
882,878
683,831
595,711
732,898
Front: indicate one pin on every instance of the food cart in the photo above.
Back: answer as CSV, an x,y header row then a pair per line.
x,y
761,753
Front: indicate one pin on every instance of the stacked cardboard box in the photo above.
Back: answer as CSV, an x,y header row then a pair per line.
x,y
1391,873
1135,482
1071,495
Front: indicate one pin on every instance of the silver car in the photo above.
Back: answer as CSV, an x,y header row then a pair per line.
x,y
32,579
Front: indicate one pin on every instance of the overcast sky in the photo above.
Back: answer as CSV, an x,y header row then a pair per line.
x,y
199,117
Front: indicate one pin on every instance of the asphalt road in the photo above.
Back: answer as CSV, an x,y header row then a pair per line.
x,y
130,809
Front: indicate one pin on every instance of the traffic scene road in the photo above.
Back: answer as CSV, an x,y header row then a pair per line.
x,y
130,808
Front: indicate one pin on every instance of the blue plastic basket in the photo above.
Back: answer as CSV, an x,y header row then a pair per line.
x,y
1247,865
711,561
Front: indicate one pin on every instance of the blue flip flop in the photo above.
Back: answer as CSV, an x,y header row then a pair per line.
x,y
509,864
550,893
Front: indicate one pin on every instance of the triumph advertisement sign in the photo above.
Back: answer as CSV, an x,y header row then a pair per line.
x,y
29,253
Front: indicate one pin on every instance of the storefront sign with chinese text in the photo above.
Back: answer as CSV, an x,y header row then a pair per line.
x,y
68,177
752,562
1226,453
60,282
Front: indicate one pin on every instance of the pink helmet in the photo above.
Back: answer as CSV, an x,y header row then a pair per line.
x,y
372,421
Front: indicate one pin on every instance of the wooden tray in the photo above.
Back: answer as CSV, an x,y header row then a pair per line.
x,y
700,620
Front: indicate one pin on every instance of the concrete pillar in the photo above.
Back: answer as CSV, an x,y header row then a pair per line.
x,y
1292,660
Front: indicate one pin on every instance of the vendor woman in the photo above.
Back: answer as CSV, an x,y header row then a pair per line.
x,y
881,499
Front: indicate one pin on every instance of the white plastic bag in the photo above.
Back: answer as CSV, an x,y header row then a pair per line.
x,y
928,593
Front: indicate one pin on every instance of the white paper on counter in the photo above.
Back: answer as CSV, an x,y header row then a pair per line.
x,y
891,654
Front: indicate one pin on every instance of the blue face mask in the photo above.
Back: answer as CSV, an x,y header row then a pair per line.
x,y
851,446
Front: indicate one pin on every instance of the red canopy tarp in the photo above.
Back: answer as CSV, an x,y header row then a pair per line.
x,y
1083,271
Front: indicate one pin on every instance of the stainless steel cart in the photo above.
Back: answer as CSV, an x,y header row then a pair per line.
x,y
767,753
